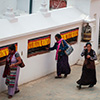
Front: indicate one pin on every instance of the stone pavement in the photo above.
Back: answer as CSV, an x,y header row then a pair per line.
x,y
49,88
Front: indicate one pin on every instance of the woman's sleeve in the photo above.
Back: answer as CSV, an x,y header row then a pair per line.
x,y
65,45
53,48
17,55
94,56
83,53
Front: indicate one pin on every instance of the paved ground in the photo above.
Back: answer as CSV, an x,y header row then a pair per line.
x,y
48,88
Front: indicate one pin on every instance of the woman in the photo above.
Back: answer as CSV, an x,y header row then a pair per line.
x,y
88,76
11,72
62,59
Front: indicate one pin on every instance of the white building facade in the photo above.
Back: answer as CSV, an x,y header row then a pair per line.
x,y
21,7
45,23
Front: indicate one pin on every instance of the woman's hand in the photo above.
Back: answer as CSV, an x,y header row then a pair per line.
x,y
47,48
12,65
59,50
88,56
17,63
85,47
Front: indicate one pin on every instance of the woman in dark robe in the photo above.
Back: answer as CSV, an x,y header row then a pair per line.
x,y
62,59
88,76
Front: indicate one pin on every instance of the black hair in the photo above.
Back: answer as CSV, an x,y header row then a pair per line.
x,y
12,47
58,36
88,43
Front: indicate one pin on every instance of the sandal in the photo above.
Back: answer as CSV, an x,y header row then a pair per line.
x,y
79,87
90,86
58,77
10,96
65,75
17,91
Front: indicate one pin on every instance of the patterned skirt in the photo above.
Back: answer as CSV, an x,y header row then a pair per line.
x,y
10,79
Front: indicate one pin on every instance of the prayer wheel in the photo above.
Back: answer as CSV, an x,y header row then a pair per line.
x,y
86,36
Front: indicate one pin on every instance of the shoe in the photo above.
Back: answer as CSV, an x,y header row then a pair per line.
x,y
90,86
17,91
79,87
65,75
58,77
10,96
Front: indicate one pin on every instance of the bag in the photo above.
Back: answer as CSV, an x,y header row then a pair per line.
x,y
22,64
6,71
69,50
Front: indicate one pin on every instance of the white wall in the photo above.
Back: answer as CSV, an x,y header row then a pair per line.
x,y
40,65
82,5
37,5
23,5
36,66
4,4
29,27
91,8
95,13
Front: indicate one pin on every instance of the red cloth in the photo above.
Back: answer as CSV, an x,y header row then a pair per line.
x,y
6,71
7,68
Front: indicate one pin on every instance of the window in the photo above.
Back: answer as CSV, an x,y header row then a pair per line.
x,y
55,4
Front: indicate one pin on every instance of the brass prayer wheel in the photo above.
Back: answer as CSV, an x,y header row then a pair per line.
x,y
86,34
